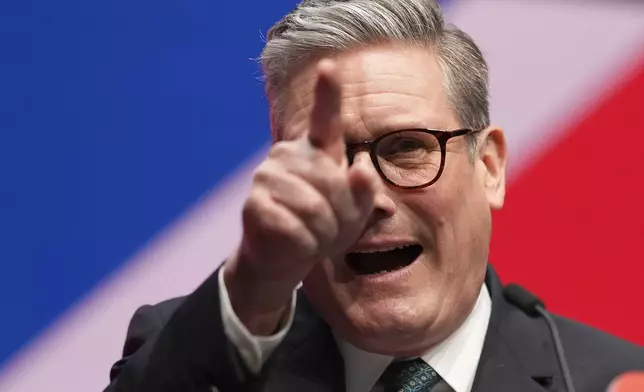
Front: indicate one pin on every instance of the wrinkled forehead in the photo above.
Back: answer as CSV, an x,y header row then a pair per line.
x,y
383,87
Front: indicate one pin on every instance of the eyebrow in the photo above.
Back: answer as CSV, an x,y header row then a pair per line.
x,y
392,128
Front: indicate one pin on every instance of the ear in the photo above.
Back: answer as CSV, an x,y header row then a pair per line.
x,y
492,153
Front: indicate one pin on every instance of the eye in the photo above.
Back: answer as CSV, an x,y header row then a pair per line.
x,y
407,145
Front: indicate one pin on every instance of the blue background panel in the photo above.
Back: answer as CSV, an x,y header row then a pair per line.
x,y
114,118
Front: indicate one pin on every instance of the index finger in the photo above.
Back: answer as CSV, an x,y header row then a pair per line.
x,y
325,130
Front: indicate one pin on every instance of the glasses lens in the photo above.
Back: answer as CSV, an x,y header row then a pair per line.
x,y
409,158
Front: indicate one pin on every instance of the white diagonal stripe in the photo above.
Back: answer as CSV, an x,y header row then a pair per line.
x,y
548,60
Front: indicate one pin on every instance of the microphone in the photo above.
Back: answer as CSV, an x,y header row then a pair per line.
x,y
534,307
628,382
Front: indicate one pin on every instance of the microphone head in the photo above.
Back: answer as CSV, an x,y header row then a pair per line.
x,y
523,299
628,382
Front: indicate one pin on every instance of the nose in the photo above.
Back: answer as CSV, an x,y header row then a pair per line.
x,y
384,205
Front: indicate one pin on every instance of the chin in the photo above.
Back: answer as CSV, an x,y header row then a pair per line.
x,y
390,326
398,312
393,314
397,336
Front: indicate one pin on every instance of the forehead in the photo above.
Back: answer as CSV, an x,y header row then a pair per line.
x,y
384,88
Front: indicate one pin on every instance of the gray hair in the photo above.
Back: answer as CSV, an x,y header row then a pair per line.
x,y
319,27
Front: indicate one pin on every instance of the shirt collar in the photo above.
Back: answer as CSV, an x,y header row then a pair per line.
x,y
455,359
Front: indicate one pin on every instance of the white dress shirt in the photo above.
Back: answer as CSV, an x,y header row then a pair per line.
x,y
455,359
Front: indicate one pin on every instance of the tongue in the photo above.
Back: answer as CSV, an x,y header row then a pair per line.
x,y
377,262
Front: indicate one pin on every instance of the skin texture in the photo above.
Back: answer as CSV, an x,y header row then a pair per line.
x,y
320,208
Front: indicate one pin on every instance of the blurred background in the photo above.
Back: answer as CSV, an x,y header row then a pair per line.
x,y
129,131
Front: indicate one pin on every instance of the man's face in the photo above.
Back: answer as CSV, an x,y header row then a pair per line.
x,y
387,88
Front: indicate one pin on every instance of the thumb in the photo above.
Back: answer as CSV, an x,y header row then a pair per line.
x,y
364,183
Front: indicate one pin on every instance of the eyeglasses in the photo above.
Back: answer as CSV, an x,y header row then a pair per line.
x,y
409,158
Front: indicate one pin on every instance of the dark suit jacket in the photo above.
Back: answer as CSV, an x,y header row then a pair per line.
x,y
179,345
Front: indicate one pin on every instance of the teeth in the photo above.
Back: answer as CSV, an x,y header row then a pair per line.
x,y
382,249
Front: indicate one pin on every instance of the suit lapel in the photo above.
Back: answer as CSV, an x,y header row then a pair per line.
x,y
502,372
518,353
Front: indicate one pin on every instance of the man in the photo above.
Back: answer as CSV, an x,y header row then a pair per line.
x,y
377,196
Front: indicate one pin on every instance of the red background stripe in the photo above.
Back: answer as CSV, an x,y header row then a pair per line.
x,y
572,230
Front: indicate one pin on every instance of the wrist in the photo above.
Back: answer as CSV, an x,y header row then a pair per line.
x,y
261,305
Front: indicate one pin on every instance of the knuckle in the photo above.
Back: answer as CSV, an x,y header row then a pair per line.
x,y
287,226
262,174
263,219
315,207
280,149
274,228
319,215
330,181
267,173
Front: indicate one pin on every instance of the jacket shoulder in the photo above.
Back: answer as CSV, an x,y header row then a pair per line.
x,y
166,309
596,355
147,321
144,326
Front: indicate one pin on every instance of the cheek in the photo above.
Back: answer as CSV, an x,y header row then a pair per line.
x,y
467,232
431,209
439,204
452,215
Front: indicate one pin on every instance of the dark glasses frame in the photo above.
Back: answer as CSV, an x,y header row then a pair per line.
x,y
371,145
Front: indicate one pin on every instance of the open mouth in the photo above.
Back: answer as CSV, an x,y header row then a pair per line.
x,y
379,262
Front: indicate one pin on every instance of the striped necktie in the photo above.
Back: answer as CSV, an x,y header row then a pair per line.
x,y
409,376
